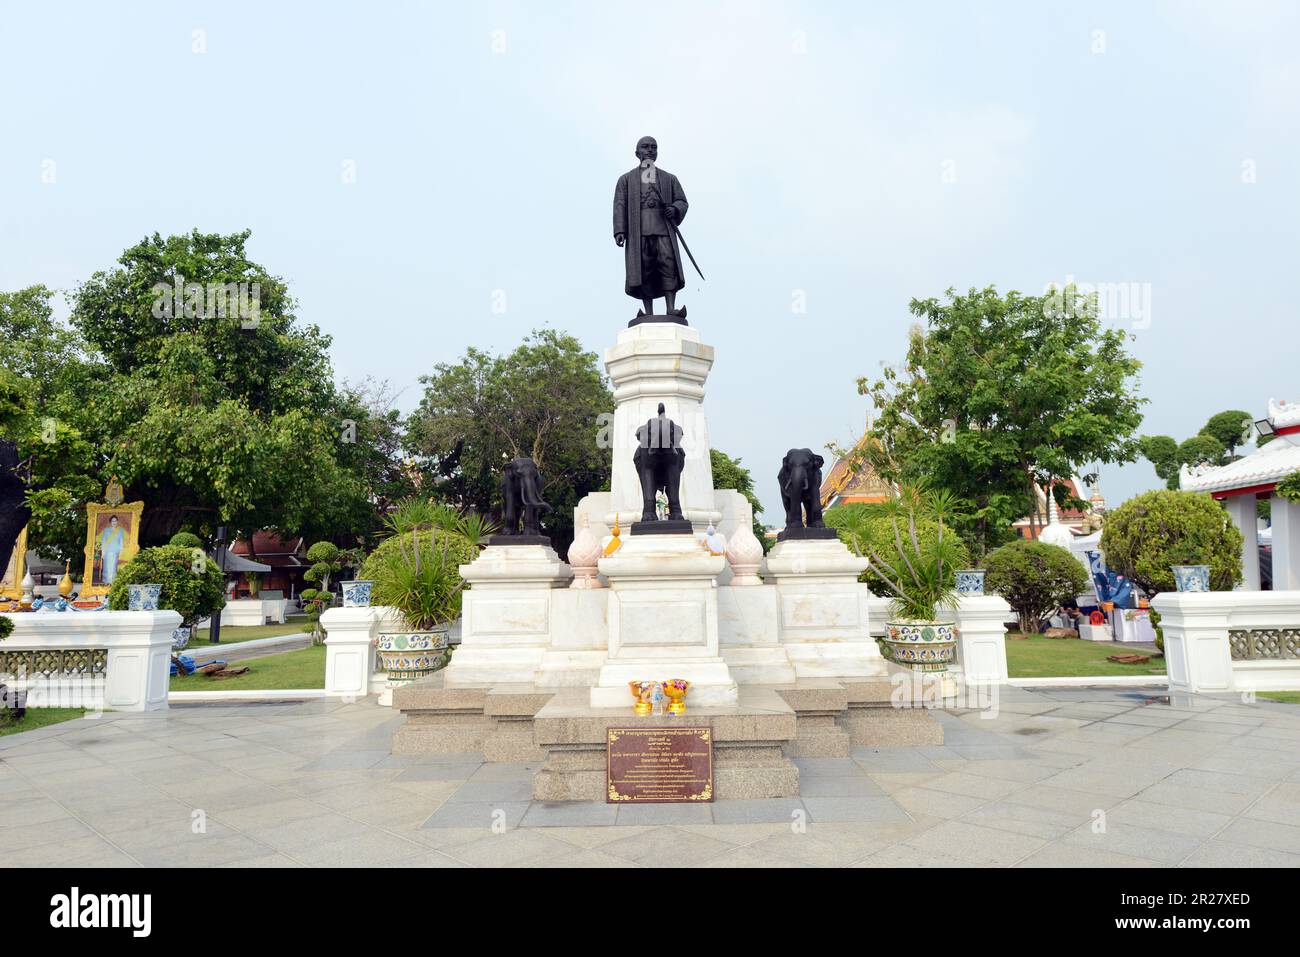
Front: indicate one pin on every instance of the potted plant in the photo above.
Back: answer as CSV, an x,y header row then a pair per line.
x,y
188,583
416,572
920,574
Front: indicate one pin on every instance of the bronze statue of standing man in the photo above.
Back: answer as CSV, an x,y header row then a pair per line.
x,y
648,204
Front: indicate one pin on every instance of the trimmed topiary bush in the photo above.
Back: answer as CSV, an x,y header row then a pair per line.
x,y
186,540
191,583
1148,534
1035,578
6,627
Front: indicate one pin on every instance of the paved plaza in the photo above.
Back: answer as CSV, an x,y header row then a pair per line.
x,y
1078,777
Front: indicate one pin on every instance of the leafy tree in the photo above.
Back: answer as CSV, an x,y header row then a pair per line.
x,y
729,473
999,395
1035,578
191,584
1232,428
48,471
1216,443
545,400
212,417
1149,534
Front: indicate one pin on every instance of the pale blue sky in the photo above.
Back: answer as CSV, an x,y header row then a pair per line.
x,y
862,153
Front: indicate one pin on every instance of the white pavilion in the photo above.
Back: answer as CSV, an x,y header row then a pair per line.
x,y
1239,484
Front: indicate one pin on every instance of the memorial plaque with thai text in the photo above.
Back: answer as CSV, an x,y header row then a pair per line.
x,y
660,765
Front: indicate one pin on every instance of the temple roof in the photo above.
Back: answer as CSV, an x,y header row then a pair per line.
x,y
1283,414
1261,469
862,484
1266,466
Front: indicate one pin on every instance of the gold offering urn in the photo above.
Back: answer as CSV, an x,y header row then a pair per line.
x,y
642,692
65,583
676,689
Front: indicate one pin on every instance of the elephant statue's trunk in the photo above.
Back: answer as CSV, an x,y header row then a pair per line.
x,y
531,494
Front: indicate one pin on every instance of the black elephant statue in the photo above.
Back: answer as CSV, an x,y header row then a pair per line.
x,y
521,494
659,460
801,488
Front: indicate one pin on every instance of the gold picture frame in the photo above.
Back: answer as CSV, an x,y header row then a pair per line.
x,y
98,522
13,588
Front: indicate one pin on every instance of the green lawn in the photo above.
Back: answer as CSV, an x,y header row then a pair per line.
x,y
304,668
1287,697
233,635
1039,657
37,718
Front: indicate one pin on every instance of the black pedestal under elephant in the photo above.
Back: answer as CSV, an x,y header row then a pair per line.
x,y
659,460
801,488
521,494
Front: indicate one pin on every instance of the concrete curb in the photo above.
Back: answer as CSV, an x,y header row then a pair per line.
x,y
1098,681
288,694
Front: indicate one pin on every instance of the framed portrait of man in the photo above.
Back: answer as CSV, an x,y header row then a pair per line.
x,y
11,585
112,539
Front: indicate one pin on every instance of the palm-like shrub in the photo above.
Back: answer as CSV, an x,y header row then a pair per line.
x,y
1035,578
1148,534
418,573
191,582
919,572
6,627
868,526
417,513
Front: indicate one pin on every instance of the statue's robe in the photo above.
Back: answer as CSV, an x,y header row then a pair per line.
x,y
627,220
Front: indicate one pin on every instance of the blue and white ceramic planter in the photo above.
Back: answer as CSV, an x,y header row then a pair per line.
x,y
356,594
970,581
1191,577
408,655
181,637
143,597
922,645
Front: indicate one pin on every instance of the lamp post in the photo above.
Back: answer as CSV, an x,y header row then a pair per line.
x,y
214,629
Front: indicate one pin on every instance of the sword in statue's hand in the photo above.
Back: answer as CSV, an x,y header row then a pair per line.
x,y
672,221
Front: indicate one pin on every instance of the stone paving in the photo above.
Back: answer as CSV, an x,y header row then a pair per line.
x,y
1080,777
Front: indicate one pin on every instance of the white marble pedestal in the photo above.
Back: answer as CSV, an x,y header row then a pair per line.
x,y
507,615
822,609
663,621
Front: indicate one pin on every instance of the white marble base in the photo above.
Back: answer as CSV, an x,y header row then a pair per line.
x,y
712,683
822,609
579,639
750,637
653,363
663,620
506,615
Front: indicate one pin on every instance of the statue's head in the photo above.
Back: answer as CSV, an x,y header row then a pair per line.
x,y
647,149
